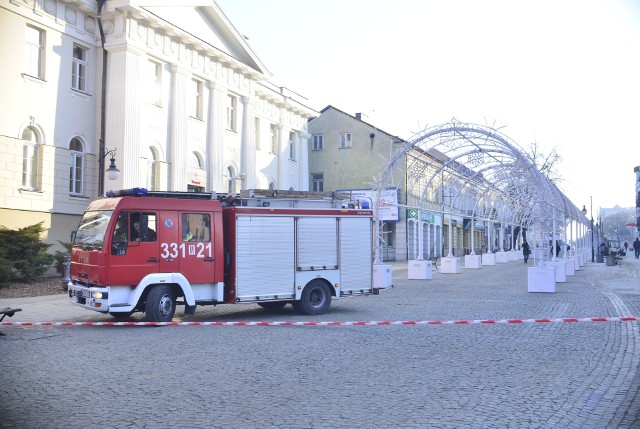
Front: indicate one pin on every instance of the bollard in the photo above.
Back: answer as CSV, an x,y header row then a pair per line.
x,y
67,272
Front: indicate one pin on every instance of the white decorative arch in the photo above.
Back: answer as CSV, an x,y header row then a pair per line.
x,y
475,172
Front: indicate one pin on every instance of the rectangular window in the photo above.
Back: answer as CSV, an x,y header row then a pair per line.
x,y
274,138
292,146
195,227
30,166
317,182
143,227
148,176
79,68
75,174
34,52
196,105
317,142
232,107
120,235
345,140
155,83
257,132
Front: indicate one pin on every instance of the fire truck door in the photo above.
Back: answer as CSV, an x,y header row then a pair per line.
x,y
168,241
136,254
196,247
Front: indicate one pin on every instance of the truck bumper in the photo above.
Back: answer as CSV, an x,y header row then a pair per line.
x,y
92,298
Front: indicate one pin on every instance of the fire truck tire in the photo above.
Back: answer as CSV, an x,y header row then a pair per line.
x,y
160,305
315,299
273,305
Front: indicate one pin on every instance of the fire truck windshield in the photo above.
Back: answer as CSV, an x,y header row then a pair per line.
x,y
92,229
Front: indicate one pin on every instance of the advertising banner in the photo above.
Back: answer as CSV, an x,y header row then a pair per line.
x,y
388,210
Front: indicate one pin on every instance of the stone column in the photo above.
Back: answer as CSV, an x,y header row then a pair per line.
x,y
281,158
248,144
303,160
124,113
179,116
215,137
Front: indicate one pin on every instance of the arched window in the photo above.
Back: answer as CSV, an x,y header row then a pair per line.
x,y
149,169
30,157
196,173
153,167
195,160
76,167
231,177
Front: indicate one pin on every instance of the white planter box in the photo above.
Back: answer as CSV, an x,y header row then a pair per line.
x,y
502,257
472,261
514,255
570,269
561,271
541,279
382,276
449,265
488,259
576,262
420,270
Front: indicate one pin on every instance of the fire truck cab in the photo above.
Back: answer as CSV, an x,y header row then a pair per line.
x,y
139,251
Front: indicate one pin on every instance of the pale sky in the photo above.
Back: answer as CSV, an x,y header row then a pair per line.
x,y
563,73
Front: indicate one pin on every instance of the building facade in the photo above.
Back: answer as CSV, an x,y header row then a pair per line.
x,y
180,101
347,154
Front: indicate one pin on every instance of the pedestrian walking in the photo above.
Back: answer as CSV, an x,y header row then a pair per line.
x,y
526,250
636,247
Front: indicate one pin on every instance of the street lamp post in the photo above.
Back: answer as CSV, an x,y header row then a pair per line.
x,y
592,248
584,211
112,171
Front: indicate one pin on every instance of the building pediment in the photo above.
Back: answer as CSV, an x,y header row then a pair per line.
x,y
199,23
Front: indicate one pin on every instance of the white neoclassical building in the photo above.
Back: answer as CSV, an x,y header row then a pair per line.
x,y
182,104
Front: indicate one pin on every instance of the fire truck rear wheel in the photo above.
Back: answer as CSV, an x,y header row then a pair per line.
x,y
315,298
161,304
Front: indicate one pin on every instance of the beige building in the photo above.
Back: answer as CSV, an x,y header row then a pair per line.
x,y
346,153
187,106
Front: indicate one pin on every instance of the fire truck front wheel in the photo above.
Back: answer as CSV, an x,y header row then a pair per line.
x,y
160,305
315,299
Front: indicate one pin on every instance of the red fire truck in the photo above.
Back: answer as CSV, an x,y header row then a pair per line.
x,y
139,251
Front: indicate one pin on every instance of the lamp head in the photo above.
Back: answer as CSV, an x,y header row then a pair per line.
x,y
112,172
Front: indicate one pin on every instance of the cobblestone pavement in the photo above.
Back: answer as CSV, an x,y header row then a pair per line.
x,y
553,375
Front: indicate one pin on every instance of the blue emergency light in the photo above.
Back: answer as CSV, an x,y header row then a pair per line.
x,y
133,192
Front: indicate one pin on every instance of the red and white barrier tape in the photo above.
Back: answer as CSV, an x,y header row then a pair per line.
x,y
363,323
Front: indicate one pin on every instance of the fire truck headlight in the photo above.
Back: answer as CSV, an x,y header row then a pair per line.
x,y
99,295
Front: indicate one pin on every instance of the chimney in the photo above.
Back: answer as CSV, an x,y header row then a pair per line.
x,y
359,116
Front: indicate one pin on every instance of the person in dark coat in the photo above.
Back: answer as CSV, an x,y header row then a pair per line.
x,y
526,251
636,247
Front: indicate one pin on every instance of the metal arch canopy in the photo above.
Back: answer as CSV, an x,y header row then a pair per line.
x,y
476,163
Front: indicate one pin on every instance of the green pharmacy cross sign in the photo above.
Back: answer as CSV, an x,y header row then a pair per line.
x,y
426,216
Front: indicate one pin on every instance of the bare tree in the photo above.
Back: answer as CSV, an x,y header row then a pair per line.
x,y
547,164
